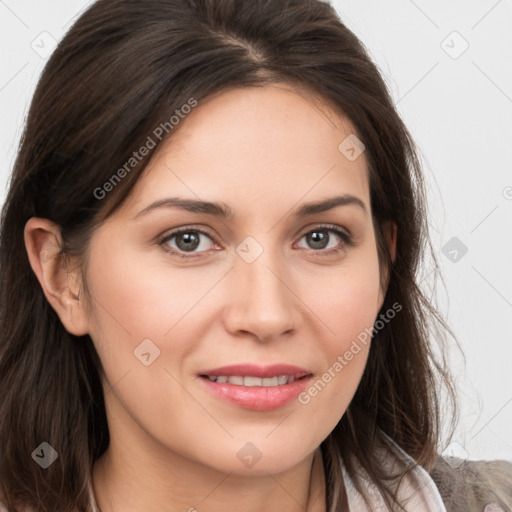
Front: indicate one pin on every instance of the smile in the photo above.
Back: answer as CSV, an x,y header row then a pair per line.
x,y
251,381
255,387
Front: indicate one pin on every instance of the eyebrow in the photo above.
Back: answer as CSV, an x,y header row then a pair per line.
x,y
222,210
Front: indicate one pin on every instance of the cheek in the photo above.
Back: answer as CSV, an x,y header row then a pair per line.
x,y
348,306
136,297
141,307
348,300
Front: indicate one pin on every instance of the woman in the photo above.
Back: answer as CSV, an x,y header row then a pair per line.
x,y
213,231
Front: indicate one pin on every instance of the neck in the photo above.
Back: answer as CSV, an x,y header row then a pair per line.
x,y
122,483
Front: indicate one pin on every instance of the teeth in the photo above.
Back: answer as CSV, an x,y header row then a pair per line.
x,y
282,379
250,381
269,381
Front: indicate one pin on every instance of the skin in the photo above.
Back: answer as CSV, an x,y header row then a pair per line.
x,y
264,151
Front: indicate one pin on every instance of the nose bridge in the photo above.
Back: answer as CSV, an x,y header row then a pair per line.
x,y
261,302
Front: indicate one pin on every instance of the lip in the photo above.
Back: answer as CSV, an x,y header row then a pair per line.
x,y
257,398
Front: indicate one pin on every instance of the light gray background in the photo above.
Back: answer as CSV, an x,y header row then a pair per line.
x,y
458,106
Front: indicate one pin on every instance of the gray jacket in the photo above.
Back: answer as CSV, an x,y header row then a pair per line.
x,y
471,486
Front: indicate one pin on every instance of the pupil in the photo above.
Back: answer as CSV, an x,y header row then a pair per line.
x,y
191,241
318,239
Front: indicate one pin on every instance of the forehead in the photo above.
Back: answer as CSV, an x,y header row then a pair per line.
x,y
255,148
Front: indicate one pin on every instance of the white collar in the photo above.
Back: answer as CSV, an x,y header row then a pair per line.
x,y
417,492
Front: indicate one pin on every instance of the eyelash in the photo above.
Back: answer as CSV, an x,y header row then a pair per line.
x,y
346,238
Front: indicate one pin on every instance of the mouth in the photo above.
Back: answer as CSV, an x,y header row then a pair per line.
x,y
255,387
249,381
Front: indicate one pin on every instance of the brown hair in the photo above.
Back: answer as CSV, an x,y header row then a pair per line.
x,y
122,70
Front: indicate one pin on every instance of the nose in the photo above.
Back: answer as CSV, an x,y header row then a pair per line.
x,y
261,299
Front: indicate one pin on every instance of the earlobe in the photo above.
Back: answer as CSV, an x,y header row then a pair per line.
x,y
60,284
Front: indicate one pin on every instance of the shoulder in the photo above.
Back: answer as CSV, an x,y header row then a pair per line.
x,y
471,485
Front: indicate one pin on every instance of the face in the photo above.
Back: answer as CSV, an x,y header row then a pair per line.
x,y
281,291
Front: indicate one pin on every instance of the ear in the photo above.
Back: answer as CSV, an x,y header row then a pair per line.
x,y
390,234
390,231
61,284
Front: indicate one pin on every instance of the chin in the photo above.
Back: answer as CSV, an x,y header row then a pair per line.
x,y
258,458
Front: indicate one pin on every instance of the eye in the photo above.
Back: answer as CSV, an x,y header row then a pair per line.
x,y
190,242
321,239
185,242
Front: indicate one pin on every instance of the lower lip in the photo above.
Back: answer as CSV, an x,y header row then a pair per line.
x,y
257,398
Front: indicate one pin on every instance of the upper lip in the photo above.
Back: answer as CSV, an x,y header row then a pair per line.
x,y
251,370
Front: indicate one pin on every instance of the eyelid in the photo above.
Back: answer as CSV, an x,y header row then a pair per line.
x,y
330,227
